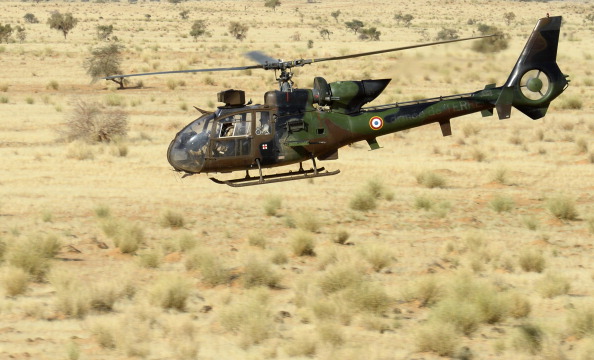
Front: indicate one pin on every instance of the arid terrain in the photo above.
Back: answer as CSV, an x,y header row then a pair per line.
x,y
474,246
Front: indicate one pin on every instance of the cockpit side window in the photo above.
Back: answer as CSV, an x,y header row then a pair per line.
x,y
235,125
262,119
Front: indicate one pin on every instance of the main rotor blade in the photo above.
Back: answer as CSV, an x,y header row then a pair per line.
x,y
391,50
184,71
260,57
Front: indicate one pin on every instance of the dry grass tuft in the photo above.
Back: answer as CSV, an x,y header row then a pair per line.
x,y
338,277
562,207
581,321
250,317
552,285
302,244
272,205
90,121
437,337
211,267
531,260
171,292
259,273
14,281
501,204
431,179
33,255
172,219
528,338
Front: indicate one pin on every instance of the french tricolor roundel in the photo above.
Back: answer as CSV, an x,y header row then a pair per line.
x,y
376,123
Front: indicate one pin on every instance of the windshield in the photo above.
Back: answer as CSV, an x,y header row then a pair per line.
x,y
188,149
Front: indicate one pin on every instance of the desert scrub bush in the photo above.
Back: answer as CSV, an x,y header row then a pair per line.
x,y
279,257
580,322
562,207
259,273
301,345
363,201
257,240
272,204
33,255
14,281
519,306
424,202
118,148
368,297
330,333
571,103
4,99
250,317
211,267
528,338
437,337
80,150
128,237
340,236
500,176
531,222
102,211
340,276
378,190
52,85
172,219
501,204
105,61
464,316
150,258
552,285
308,221
302,244
532,261
113,99
378,256
470,129
428,291
90,121
72,298
431,179
187,242
171,292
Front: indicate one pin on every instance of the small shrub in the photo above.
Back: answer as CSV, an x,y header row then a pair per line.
x,y
465,316
303,345
53,85
428,291
501,203
3,99
529,338
531,222
171,292
127,237
378,190
308,221
79,150
187,242
72,299
29,100
553,285
368,297
519,306
279,257
272,204
571,103
33,255
339,277
251,318
340,237
330,333
562,207
150,258
302,244
379,257
423,202
363,201
118,149
437,337
581,322
102,211
92,122
106,332
431,180
172,219
257,240
15,281
210,266
532,261
259,273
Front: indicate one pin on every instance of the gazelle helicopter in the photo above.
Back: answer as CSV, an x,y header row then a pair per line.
x,y
296,125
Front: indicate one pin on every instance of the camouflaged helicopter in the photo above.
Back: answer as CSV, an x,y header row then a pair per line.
x,y
296,125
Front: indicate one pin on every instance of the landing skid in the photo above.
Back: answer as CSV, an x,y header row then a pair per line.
x,y
300,174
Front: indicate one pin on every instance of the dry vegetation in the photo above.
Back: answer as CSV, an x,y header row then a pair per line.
x,y
475,246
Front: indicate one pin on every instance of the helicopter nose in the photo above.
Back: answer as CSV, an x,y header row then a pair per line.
x,y
185,153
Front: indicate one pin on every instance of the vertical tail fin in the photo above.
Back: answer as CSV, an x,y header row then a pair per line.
x,y
536,80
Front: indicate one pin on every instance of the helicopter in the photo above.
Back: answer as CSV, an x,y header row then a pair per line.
x,y
296,125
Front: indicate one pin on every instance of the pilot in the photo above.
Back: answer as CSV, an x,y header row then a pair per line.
x,y
264,127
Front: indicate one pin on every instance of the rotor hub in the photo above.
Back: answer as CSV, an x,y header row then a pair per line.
x,y
534,84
